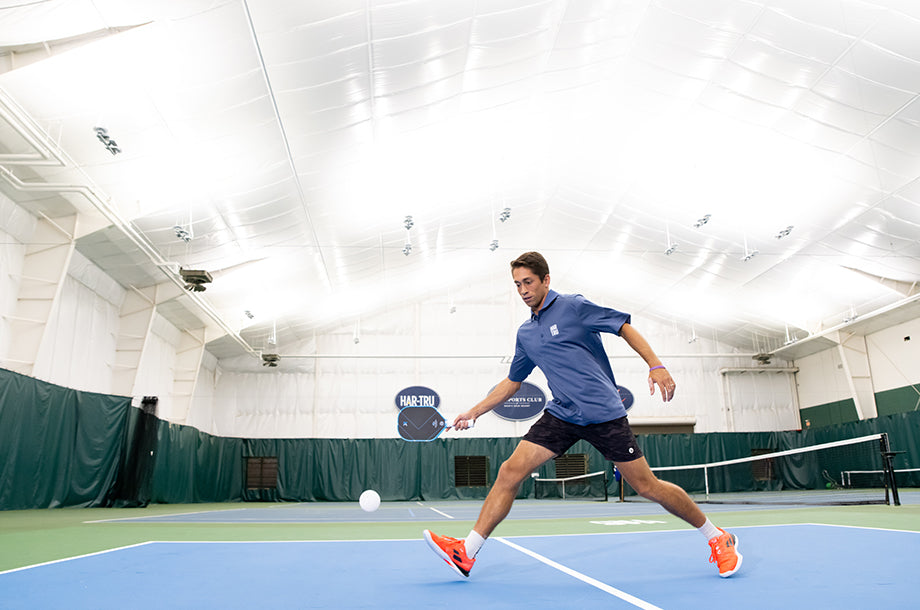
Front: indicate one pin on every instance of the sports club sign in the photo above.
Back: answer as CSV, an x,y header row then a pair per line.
x,y
526,403
417,396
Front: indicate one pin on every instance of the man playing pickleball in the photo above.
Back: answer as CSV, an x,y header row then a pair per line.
x,y
562,337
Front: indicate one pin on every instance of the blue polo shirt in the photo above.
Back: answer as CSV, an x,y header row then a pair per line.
x,y
564,340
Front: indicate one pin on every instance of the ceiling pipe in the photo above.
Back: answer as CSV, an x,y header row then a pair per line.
x,y
17,119
503,356
287,145
19,124
741,370
858,320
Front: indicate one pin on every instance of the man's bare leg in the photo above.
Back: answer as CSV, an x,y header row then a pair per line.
x,y
526,458
671,497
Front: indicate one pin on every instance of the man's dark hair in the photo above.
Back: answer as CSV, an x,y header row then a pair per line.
x,y
533,261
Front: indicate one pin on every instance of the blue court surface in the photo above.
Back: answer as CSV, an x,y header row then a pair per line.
x,y
789,566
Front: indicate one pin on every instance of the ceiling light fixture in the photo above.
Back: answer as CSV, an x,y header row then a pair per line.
x,y
705,219
408,223
182,233
749,254
672,247
505,215
790,339
784,233
849,317
270,360
494,245
103,136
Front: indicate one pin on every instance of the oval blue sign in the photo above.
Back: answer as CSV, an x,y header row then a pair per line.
x,y
626,396
526,403
417,396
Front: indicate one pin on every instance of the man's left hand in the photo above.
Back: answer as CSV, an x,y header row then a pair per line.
x,y
661,378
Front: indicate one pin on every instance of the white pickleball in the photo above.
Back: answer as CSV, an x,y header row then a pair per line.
x,y
369,501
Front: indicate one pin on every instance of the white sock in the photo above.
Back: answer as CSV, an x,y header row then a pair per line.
x,y
473,543
709,530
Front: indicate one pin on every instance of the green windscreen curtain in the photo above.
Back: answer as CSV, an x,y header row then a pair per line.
x,y
58,447
62,447
193,466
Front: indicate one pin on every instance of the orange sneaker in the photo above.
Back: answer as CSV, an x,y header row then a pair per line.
x,y
452,551
725,553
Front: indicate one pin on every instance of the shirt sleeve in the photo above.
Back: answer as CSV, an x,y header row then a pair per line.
x,y
521,365
600,319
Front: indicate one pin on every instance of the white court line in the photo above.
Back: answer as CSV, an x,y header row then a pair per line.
x,y
626,597
152,517
443,514
48,563
864,527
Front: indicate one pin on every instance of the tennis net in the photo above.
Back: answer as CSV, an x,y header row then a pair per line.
x,y
592,485
814,474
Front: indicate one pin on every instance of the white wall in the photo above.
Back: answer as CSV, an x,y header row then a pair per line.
x,y
894,363
760,400
15,228
78,349
354,397
157,368
821,379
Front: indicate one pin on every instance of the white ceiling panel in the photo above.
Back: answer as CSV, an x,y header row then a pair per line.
x,y
290,141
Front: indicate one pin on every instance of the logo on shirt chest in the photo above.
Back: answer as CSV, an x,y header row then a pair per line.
x,y
553,330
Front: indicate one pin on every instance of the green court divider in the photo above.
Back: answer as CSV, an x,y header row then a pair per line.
x,y
58,447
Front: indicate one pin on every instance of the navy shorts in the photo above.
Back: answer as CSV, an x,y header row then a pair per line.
x,y
614,439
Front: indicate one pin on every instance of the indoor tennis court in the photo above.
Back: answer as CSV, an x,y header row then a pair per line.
x,y
551,553
285,284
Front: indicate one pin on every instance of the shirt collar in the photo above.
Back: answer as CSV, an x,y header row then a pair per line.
x,y
549,300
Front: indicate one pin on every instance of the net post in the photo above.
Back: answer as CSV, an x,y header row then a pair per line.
x,y
887,454
606,495
706,479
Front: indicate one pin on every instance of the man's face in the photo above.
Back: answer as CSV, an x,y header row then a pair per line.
x,y
529,287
